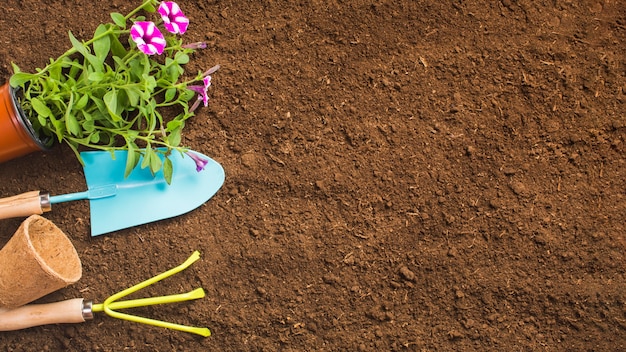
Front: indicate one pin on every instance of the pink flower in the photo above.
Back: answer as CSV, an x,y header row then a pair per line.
x,y
148,37
202,90
200,162
174,19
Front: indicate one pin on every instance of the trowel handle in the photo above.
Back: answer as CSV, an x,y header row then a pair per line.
x,y
25,204
70,311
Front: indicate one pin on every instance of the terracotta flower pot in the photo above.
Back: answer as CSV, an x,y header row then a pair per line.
x,y
17,136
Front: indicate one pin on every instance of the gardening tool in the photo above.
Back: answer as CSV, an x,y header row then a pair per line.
x,y
117,202
78,311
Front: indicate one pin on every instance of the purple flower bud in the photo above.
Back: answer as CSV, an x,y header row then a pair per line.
x,y
195,105
174,19
196,45
148,37
200,162
211,71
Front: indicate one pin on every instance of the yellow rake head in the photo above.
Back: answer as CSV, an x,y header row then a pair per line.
x,y
112,304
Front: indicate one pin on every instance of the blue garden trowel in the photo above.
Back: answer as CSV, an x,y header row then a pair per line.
x,y
117,202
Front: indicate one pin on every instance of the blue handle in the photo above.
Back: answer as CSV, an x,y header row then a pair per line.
x,y
69,197
94,193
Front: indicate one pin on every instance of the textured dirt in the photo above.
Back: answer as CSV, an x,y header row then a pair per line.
x,y
401,176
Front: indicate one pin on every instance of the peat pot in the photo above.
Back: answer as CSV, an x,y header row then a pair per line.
x,y
17,136
39,259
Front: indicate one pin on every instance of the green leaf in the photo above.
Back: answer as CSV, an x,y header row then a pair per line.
x,y
96,77
100,104
170,94
19,78
155,163
131,158
82,49
149,83
82,102
51,85
168,170
110,100
42,120
122,100
78,46
182,58
173,125
94,138
187,95
40,107
117,49
152,120
75,69
137,67
149,8
101,46
119,19
147,65
71,123
120,65
58,127
147,157
133,96
16,69
89,124
174,137
174,72
54,73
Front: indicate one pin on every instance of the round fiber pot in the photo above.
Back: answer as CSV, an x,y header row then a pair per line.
x,y
17,137
37,260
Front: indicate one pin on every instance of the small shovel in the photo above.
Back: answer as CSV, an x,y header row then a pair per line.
x,y
117,202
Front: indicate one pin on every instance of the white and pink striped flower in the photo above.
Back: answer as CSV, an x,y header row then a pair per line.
x,y
174,19
148,37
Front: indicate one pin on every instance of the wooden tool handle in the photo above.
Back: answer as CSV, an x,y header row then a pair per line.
x,y
70,311
25,204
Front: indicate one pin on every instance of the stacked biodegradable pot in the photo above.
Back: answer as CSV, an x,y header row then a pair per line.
x,y
37,260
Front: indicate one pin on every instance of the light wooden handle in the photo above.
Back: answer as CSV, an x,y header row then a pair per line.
x,y
70,311
25,204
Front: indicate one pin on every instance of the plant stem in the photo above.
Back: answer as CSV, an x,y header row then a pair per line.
x,y
90,41
127,17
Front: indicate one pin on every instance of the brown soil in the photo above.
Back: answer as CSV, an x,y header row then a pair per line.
x,y
402,175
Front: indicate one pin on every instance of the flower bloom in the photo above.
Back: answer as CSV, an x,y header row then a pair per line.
x,y
174,19
202,90
200,161
148,37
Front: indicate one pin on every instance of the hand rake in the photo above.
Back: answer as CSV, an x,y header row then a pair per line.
x,y
77,310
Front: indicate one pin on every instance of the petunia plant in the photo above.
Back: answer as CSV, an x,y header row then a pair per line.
x,y
123,89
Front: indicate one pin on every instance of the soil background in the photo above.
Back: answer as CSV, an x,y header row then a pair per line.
x,y
403,175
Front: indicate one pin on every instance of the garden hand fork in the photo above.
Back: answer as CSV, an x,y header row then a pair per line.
x,y
77,310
